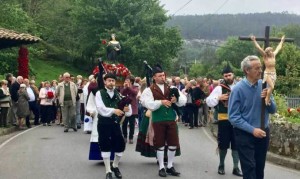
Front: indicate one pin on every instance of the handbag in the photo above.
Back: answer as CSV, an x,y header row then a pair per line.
x,y
6,99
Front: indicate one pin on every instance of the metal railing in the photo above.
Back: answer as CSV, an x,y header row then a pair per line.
x,y
292,101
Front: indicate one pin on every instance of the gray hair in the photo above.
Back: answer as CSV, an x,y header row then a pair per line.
x,y
66,74
245,64
193,82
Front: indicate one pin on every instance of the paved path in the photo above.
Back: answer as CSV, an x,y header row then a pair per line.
x,y
46,152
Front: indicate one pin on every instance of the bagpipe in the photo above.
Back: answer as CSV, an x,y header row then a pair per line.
x,y
174,92
123,100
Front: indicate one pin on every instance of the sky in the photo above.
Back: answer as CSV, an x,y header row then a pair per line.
x,y
201,7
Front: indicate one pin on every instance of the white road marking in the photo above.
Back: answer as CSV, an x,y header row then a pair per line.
x,y
12,138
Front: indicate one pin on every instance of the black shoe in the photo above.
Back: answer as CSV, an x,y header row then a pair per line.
x,y
49,124
221,170
237,172
75,130
66,130
162,173
78,126
116,171
109,175
36,124
172,171
28,126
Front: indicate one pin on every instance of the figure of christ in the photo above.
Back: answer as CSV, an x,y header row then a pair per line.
x,y
269,60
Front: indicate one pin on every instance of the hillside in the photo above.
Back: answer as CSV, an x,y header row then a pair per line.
x,y
51,69
221,26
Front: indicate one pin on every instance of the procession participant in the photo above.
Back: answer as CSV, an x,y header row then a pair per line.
x,y
219,97
130,91
87,125
109,130
245,113
91,114
156,98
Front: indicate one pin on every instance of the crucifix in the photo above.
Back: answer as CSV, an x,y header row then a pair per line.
x,y
266,41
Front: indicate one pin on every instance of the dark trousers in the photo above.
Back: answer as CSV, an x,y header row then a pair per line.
x,y
185,117
36,112
46,113
82,110
3,116
226,135
110,137
252,153
192,112
131,121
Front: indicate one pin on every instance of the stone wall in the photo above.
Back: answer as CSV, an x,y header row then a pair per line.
x,y
285,139
284,146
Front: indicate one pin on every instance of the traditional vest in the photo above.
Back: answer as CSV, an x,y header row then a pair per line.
x,y
162,113
111,103
223,105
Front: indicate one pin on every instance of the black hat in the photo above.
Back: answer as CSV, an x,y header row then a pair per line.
x,y
227,69
157,69
110,75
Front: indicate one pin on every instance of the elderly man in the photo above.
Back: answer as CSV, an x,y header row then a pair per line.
x,y
33,97
66,93
13,90
245,113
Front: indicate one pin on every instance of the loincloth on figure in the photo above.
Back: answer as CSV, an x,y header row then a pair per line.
x,y
272,75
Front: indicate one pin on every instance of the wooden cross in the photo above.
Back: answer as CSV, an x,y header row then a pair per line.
x,y
266,41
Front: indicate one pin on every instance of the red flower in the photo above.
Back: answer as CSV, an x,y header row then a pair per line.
x,y
96,70
50,94
120,70
289,110
103,42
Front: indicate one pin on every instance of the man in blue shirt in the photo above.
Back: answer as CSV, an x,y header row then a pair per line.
x,y
244,114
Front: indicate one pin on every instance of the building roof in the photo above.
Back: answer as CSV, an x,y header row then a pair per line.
x,y
10,38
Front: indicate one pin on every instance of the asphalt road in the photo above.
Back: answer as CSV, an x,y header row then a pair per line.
x,y
46,152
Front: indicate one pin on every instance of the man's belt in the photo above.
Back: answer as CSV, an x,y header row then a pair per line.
x,y
222,116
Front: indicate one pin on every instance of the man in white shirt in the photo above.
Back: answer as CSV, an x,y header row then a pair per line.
x,y
109,130
33,96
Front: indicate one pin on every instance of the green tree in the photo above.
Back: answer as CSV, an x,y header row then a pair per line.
x,y
235,51
139,26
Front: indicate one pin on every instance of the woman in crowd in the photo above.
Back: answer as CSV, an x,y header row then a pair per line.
x,y
4,93
23,105
47,96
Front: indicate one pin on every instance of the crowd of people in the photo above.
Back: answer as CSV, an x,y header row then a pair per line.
x,y
155,109
21,99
